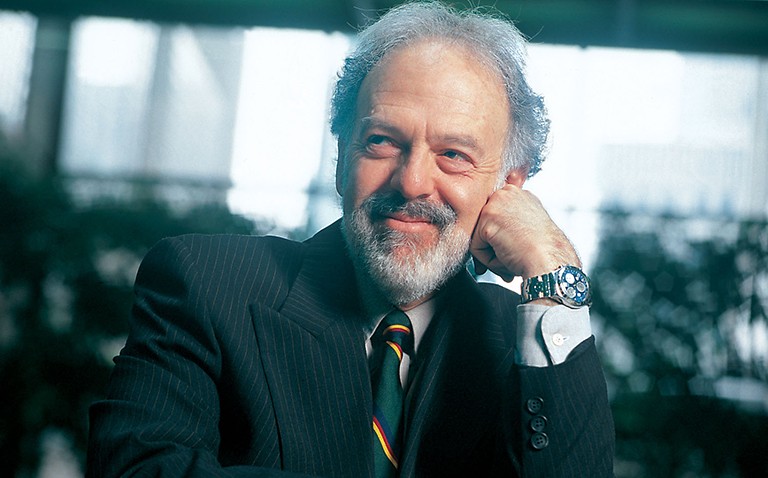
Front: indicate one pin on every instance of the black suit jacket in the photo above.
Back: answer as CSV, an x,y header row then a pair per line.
x,y
246,357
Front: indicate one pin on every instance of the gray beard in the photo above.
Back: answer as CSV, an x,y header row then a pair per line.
x,y
418,270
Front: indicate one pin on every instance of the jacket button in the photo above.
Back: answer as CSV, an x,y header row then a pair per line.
x,y
539,441
534,405
538,423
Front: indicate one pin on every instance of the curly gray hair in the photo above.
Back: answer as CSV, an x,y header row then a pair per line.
x,y
496,41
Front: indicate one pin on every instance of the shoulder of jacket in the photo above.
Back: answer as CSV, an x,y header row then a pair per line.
x,y
228,244
255,269
233,256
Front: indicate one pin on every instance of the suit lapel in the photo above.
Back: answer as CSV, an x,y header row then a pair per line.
x,y
453,400
313,349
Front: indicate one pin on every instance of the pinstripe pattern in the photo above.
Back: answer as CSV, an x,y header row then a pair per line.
x,y
246,356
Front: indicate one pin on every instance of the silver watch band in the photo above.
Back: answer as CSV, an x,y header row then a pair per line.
x,y
539,287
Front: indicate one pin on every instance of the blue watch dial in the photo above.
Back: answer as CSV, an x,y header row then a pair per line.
x,y
573,286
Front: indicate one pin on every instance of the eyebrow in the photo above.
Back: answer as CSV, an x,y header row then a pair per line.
x,y
466,141
463,140
369,122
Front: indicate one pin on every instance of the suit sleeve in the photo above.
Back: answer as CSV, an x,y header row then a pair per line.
x,y
562,425
161,414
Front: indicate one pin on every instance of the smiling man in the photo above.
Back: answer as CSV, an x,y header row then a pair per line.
x,y
424,157
369,350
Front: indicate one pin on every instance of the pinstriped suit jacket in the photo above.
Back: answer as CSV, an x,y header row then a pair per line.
x,y
246,357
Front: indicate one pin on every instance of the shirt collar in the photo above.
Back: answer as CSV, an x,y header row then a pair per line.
x,y
376,308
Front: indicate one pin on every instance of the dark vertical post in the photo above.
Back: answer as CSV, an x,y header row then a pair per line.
x,y
45,102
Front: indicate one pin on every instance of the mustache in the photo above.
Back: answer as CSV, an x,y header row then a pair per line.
x,y
441,215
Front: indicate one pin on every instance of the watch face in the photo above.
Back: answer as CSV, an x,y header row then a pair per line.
x,y
573,286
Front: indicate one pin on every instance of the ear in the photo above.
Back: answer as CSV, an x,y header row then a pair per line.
x,y
340,166
516,177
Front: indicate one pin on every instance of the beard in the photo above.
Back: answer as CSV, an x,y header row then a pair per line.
x,y
403,266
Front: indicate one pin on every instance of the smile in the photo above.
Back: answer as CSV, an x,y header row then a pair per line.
x,y
403,217
404,223
418,216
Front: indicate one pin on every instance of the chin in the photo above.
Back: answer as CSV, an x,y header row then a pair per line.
x,y
406,259
409,245
405,267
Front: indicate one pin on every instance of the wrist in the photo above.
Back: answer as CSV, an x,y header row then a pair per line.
x,y
545,267
543,301
545,263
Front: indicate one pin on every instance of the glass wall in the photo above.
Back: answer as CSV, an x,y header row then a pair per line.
x,y
657,131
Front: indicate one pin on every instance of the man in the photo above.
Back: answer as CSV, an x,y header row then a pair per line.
x,y
250,356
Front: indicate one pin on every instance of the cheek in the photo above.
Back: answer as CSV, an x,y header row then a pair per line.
x,y
364,179
468,202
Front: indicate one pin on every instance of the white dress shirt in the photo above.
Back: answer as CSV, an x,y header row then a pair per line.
x,y
545,334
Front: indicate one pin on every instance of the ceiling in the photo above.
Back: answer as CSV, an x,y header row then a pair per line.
x,y
735,26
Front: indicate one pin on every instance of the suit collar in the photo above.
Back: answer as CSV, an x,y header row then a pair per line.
x,y
312,347
325,285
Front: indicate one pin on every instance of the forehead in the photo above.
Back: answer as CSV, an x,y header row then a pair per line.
x,y
442,81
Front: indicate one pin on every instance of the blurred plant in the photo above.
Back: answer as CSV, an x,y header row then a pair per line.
x,y
682,306
66,274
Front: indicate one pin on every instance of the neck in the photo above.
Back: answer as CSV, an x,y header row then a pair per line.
x,y
415,303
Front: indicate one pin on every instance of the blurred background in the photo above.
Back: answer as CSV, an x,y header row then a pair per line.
x,y
126,121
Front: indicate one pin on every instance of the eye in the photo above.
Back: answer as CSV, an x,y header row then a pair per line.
x,y
451,154
380,146
377,139
452,161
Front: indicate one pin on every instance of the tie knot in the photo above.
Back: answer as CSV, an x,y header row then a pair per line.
x,y
396,328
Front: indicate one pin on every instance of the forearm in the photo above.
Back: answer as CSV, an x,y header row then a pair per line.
x,y
574,432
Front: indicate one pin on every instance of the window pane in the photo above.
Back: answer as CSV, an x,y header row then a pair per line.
x,y
107,96
651,131
17,34
282,140
150,100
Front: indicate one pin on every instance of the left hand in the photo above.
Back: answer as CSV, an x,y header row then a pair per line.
x,y
514,236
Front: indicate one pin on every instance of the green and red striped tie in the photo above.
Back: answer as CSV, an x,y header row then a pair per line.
x,y
391,340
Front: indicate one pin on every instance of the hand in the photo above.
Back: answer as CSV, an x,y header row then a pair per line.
x,y
514,236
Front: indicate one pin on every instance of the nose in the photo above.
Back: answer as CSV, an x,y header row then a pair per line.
x,y
413,177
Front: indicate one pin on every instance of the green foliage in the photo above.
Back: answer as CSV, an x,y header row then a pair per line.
x,y
66,275
675,302
682,304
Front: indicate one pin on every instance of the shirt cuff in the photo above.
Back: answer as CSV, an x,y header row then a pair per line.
x,y
546,335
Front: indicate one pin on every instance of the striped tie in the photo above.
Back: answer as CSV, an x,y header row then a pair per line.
x,y
392,338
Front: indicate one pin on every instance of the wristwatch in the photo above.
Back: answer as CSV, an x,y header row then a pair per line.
x,y
568,285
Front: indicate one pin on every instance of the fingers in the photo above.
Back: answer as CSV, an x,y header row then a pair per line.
x,y
484,262
480,268
485,259
514,236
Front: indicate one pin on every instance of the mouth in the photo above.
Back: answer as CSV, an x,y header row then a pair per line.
x,y
399,221
403,217
419,216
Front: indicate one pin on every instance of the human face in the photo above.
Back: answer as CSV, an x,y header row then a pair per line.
x,y
430,128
